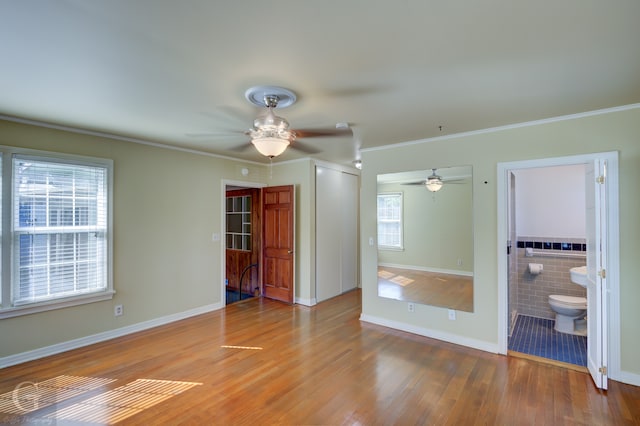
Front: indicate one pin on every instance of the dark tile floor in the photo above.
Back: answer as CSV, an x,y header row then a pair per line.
x,y
536,336
234,296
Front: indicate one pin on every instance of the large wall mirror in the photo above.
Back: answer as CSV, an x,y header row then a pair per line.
x,y
425,237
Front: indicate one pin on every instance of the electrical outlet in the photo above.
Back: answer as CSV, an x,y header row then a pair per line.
x,y
459,262
452,315
117,310
411,307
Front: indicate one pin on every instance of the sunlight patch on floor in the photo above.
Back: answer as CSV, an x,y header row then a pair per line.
x,y
394,278
255,348
400,280
385,274
123,402
31,396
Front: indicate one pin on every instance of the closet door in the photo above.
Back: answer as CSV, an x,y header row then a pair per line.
x,y
337,200
328,230
349,236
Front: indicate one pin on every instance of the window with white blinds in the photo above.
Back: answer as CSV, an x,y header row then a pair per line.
x,y
59,230
390,220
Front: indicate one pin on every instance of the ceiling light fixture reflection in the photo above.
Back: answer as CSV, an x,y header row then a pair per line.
x,y
434,182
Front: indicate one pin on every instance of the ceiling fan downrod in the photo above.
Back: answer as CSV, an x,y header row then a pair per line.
x,y
271,101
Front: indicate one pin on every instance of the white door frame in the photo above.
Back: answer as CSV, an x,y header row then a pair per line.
x,y
613,270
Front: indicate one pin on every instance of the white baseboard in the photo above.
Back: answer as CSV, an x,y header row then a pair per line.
x,y
101,337
434,334
626,377
306,302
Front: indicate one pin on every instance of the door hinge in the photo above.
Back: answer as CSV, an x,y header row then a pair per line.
x,y
600,179
602,273
603,370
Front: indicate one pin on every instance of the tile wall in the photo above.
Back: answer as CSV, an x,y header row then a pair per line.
x,y
557,255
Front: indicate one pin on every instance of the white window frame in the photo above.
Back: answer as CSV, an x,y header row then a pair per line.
x,y
400,221
7,309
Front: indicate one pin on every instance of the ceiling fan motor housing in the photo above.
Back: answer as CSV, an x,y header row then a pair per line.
x,y
271,125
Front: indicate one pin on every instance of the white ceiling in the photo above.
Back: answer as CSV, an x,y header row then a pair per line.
x,y
175,72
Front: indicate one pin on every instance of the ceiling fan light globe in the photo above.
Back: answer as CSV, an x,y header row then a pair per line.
x,y
270,146
433,185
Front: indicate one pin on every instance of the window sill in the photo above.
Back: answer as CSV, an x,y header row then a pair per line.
x,y
387,248
50,305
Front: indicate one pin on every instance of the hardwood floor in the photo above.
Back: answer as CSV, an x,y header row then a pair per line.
x,y
264,362
428,288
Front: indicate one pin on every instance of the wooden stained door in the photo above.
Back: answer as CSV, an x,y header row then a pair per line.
x,y
278,239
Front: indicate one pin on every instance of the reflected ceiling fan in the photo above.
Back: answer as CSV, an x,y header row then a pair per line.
x,y
271,135
434,182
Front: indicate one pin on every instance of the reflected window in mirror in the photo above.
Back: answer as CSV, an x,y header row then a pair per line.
x,y
390,227
425,239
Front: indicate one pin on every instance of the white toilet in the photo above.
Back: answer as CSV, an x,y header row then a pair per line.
x,y
570,313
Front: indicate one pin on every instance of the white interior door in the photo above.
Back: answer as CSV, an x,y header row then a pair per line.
x,y
512,247
328,229
596,232
349,235
336,232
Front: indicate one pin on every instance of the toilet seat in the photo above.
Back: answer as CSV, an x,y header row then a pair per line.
x,y
569,301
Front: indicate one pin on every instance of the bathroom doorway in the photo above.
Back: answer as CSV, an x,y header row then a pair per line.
x,y
575,242
547,236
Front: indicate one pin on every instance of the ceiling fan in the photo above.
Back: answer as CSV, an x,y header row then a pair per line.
x,y
434,182
271,134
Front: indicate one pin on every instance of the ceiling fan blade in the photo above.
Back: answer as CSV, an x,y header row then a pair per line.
x,y
213,135
228,113
356,91
315,133
422,182
241,148
302,147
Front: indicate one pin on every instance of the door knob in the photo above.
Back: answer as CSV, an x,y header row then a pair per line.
x,y
289,251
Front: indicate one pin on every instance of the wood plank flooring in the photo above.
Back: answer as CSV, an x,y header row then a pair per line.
x,y
428,288
263,362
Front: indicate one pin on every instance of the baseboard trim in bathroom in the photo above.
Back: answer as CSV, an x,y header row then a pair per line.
x,y
543,360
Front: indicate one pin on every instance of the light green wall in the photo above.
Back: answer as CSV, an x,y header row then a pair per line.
x,y
613,131
166,207
438,227
301,175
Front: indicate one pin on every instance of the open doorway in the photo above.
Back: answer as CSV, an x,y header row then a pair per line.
x,y
242,243
258,243
524,256
547,235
